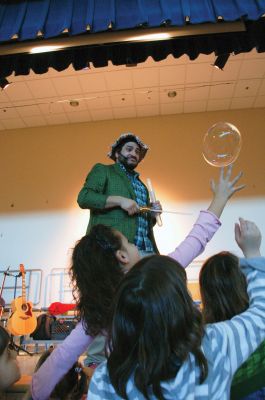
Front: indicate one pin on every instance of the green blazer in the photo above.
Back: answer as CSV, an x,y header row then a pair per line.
x,y
109,180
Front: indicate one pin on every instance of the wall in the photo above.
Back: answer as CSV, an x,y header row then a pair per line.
x,y
43,169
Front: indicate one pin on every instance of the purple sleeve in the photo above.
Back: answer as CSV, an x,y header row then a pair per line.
x,y
59,362
195,243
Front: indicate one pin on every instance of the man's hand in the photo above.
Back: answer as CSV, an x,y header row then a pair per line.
x,y
156,205
129,205
223,190
248,238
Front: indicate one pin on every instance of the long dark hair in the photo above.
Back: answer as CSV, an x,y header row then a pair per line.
x,y
155,326
223,288
95,274
4,339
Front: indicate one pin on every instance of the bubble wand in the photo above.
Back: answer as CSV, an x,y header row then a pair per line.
x,y
153,199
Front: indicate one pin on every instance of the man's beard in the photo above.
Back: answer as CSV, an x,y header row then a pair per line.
x,y
124,161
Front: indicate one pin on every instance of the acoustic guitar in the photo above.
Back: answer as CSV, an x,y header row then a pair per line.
x,y
22,320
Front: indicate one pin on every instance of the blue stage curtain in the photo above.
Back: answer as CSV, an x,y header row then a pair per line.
x,y
35,17
59,17
12,19
26,18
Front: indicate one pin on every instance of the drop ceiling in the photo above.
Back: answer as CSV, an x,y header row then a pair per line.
x,y
108,93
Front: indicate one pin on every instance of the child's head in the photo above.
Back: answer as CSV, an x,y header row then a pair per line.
x,y
9,369
72,386
155,326
223,288
99,261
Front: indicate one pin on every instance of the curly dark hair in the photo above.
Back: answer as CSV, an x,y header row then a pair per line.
x,y
95,274
155,326
223,288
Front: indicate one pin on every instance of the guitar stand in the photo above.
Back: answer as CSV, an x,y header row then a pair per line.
x,y
18,348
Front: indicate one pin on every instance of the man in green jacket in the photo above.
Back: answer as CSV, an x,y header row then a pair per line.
x,y
114,194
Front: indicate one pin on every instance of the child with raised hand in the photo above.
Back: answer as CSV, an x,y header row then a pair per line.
x,y
99,261
159,347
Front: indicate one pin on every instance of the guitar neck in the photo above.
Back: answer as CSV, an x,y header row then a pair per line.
x,y
24,300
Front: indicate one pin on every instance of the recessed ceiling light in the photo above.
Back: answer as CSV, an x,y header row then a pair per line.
x,y
74,103
172,93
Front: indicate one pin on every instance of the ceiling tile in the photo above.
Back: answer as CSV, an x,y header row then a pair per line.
x,y
171,108
229,73
218,104
3,95
199,73
68,85
224,91
101,114
51,106
146,96
195,106
124,112
97,100
13,123
92,82
2,128
100,91
193,93
56,119
259,102
147,110
247,88
18,91
145,77
172,75
252,69
122,99
205,58
242,102
262,87
28,110
35,120
7,111
41,88
79,116
117,80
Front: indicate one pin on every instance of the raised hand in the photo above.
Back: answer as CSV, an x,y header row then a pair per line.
x,y
226,187
248,238
223,190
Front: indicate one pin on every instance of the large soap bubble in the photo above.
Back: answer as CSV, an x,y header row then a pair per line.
x,y
221,144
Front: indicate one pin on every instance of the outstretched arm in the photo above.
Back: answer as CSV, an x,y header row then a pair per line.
x,y
59,363
243,333
223,190
208,221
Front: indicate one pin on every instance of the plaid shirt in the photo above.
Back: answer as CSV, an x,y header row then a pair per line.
x,y
141,239
250,376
